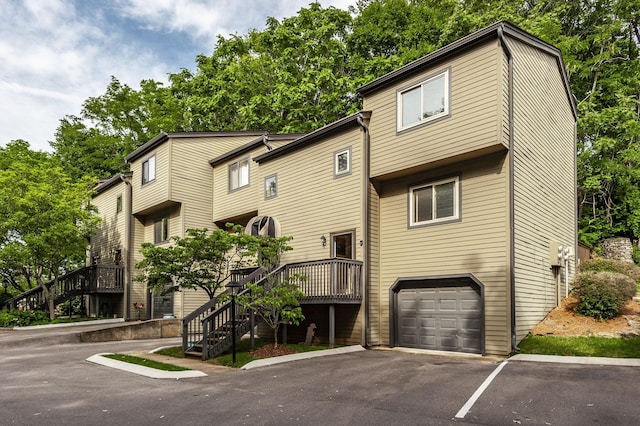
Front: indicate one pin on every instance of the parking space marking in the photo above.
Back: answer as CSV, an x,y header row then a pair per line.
x,y
467,406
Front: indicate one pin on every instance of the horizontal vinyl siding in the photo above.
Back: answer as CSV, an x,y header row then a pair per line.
x,y
310,202
157,191
544,169
112,233
191,180
373,284
475,110
478,244
242,201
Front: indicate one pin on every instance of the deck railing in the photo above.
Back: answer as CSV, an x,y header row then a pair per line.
x,y
192,324
87,280
327,281
207,331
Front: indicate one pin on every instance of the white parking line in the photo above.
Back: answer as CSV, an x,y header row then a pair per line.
x,y
467,406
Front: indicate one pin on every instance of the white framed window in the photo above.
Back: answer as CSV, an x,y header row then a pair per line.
x,y
161,230
424,101
119,204
238,174
434,202
149,169
270,186
342,162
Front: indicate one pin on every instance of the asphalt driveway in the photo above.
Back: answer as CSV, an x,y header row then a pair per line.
x,y
44,382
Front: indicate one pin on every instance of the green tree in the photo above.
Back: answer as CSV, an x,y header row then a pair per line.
x,y
276,299
293,76
201,260
112,125
47,219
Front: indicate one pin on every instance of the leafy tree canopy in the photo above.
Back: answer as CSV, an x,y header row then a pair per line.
x,y
201,260
300,73
46,218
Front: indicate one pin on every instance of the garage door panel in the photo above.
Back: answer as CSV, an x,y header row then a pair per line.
x,y
445,318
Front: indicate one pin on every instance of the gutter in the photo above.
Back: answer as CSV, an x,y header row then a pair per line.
x,y
512,248
363,119
127,261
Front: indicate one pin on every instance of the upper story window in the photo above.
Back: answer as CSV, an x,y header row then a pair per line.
x,y
342,162
434,202
270,186
238,174
161,230
424,101
149,169
119,204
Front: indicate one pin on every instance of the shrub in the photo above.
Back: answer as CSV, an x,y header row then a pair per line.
x,y
602,294
607,265
22,318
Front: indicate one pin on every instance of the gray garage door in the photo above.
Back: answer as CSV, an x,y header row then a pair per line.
x,y
440,318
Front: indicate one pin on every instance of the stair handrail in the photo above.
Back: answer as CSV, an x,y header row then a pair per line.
x,y
192,324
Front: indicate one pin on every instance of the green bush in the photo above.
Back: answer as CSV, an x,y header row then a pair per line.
x,y
22,318
607,265
602,294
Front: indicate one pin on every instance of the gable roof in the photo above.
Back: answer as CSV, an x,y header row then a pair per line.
x,y
495,30
105,184
263,140
165,136
315,136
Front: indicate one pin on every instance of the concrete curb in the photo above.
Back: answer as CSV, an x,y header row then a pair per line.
x,y
584,360
71,324
305,355
142,370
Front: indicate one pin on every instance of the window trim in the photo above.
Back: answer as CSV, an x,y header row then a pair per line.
x,y
119,204
336,154
229,171
420,83
163,223
457,199
266,194
148,178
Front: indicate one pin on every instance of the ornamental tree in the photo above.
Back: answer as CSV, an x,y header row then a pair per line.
x,y
201,260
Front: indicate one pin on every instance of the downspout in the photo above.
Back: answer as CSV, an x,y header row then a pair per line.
x,y
512,247
362,116
127,270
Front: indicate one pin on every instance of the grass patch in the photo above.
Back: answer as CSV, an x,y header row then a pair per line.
x,y
243,347
145,362
581,346
174,351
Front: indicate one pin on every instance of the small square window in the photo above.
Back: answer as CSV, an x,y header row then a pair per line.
x,y
342,162
161,230
238,174
149,170
270,186
434,202
119,204
424,101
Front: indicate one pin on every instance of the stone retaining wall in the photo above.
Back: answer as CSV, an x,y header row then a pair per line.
x,y
617,249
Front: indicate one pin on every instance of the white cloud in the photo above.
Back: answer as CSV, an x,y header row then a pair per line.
x,y
57,53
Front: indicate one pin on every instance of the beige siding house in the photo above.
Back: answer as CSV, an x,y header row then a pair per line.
x,y
171,191
473,159
432,219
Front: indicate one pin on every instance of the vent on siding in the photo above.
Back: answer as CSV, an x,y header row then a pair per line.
x,y
264,226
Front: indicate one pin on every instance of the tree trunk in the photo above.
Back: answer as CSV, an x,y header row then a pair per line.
x,y
275,336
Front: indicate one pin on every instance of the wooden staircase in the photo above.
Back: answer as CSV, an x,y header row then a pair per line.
x,y
87,280
208,331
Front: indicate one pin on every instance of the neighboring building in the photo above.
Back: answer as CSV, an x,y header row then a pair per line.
x,y
445,199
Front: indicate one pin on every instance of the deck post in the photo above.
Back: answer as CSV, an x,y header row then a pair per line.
x,y
332,325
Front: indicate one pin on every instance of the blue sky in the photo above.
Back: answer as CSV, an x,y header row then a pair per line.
x,y
54,54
